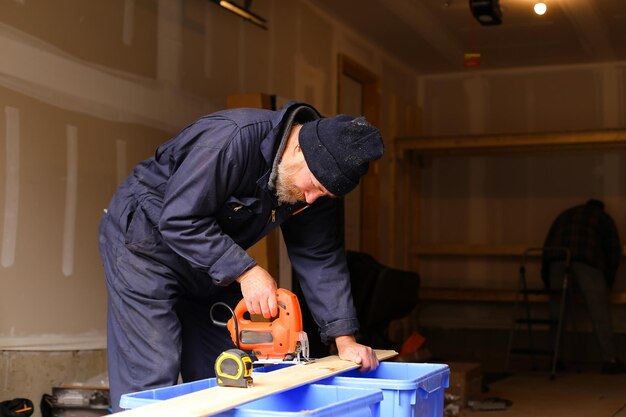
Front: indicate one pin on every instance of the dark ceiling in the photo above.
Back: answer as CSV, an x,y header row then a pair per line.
x,y
432,36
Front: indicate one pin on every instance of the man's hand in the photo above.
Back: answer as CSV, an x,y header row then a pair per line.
x,y
350,350
259,292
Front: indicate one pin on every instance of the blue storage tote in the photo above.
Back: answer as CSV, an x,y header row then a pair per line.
x,y
307,400
314,401
409,389
141,398
137,399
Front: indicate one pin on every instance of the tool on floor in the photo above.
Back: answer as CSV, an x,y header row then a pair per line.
x,y
490,404
279,340
233,368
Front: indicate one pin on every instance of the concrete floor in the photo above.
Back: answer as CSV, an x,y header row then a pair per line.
x,y
572,394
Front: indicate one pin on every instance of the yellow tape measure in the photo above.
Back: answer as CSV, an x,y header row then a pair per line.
x,y
233,368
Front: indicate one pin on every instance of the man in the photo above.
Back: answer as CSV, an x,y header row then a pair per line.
x,y
174,236
591,236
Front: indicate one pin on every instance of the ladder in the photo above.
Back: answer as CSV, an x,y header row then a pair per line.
x,y
523,317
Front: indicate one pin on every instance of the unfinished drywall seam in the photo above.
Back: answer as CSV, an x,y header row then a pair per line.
x,y
71,190
527,197
128,28
621,103
169,38
475,91
434,122
431,205
208,44
530,105
479,215
11,190
121,158
611,184
241,45
610,96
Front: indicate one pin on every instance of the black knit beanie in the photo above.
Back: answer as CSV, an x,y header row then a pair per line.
x,y
338,149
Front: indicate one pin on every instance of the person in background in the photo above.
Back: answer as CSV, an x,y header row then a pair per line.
x,y
591,236
173,240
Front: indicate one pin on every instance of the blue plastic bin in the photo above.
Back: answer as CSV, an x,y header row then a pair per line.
x,y
314,401
406,389
409,389
308,400
141,398
137,399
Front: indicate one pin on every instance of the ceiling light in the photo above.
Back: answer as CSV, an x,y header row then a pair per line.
x,y
540,8
243,12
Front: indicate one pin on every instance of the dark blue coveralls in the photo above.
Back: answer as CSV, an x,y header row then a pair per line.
x,y
173,241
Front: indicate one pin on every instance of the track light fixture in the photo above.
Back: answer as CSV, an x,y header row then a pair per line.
x,y
487,12
243,11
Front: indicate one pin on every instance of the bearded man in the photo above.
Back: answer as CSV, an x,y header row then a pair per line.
x,y
173,240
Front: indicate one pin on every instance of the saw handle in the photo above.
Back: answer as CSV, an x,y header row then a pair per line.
x,y
284,330
284,299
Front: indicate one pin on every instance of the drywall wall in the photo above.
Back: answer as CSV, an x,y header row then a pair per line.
x,y
536,99
86,98
87,90
59,171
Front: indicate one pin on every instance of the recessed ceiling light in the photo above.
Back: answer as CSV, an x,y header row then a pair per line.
x,y
540,8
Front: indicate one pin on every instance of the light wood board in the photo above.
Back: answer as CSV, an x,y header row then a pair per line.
x,y
215,400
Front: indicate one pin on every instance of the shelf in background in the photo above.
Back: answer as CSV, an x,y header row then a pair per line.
x,y
597,139
460,249
487,295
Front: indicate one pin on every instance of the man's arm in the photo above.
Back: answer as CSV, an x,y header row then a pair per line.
x,y
317,254
316,251
198,187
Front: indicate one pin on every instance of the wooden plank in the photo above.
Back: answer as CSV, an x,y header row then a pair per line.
x,y
215,400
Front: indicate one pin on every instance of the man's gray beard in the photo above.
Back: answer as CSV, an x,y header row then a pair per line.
x,y
286,192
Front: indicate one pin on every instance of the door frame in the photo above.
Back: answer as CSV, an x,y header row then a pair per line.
x,y
370,183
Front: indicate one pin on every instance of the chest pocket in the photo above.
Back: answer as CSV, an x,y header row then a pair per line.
x,y
241,208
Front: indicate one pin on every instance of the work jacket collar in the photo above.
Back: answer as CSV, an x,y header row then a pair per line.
x,y
273,146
